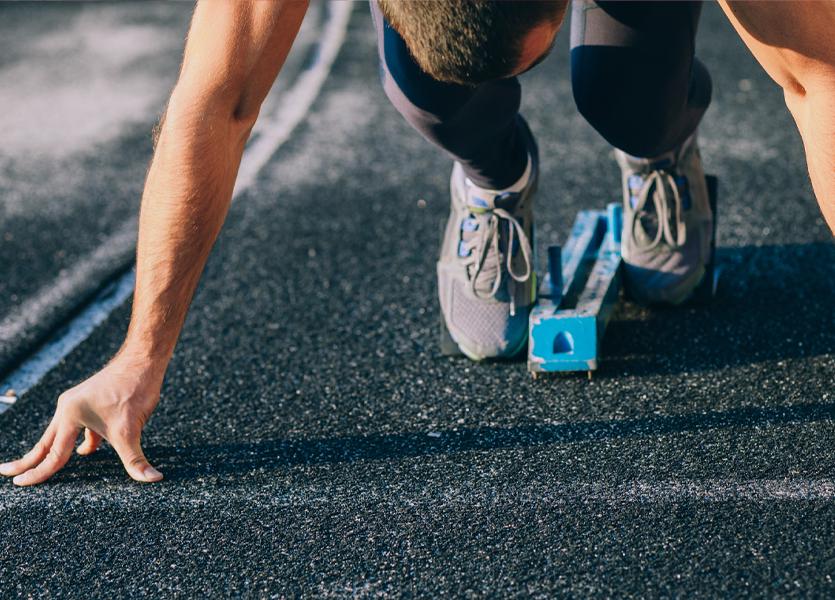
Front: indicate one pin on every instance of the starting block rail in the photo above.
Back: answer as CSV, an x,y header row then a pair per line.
x,y
578,295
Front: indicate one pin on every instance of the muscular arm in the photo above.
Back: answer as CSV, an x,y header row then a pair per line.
x,y
233,53
793,43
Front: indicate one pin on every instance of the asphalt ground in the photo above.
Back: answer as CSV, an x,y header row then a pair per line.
x,y
314,442
81,87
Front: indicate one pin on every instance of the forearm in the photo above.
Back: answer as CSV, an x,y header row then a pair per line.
x,y
186,198
234,52
189,187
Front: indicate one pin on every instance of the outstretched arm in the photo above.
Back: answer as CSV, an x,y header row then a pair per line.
x,y
793,42
233,54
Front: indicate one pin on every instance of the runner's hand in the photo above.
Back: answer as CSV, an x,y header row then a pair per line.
x,y
114,404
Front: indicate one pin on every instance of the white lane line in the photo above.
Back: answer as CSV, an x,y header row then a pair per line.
x,y
66,339
556,493
298,99
72,286
117,249
290,112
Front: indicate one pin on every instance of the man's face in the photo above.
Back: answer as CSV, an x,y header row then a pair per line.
x,y
537,44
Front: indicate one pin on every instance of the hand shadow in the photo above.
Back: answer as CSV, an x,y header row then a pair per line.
x,y
267,456
775,303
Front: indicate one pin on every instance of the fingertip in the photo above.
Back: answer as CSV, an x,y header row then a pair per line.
x,y
11,469
151,475
146,474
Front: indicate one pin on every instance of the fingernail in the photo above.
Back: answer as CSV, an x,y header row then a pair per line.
x,y
4,468
151,474
18,480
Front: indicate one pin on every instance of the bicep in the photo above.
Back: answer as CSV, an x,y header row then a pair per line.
x,y
791,40
235,50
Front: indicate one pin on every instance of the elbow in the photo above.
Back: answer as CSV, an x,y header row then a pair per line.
x,y
216,109
245,111
809,94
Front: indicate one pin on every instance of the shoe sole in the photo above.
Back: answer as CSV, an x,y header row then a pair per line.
x,y
449,347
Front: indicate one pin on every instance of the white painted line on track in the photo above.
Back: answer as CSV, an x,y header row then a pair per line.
x,y
69,337
298,99
555,493
117,248
279,126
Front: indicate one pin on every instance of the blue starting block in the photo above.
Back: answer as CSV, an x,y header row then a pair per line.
x,y
578,295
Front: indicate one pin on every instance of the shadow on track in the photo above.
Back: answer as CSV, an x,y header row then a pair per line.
x,y
773,303
276,455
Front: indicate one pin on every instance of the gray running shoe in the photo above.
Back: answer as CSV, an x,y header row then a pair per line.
x,y
667,224
486,279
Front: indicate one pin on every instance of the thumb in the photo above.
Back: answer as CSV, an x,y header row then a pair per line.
x,y
130,452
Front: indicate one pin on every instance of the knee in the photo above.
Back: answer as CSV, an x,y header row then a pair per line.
x,y
416,95
428,121
630,106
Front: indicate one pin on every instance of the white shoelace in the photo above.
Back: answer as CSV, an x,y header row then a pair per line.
x,y
487,239
660,181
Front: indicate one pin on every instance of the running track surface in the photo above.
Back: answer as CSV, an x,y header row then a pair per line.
x,y
314,442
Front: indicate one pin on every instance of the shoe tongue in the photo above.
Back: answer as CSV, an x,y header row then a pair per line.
x,y
489,273
646,165
481,201
648,219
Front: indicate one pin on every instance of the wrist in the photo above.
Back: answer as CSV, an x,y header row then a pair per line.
x,y
142,362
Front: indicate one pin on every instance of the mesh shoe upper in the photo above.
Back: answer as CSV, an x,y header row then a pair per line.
x,y
485,272
667,225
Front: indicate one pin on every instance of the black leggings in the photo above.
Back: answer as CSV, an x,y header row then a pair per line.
x,y
633,73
